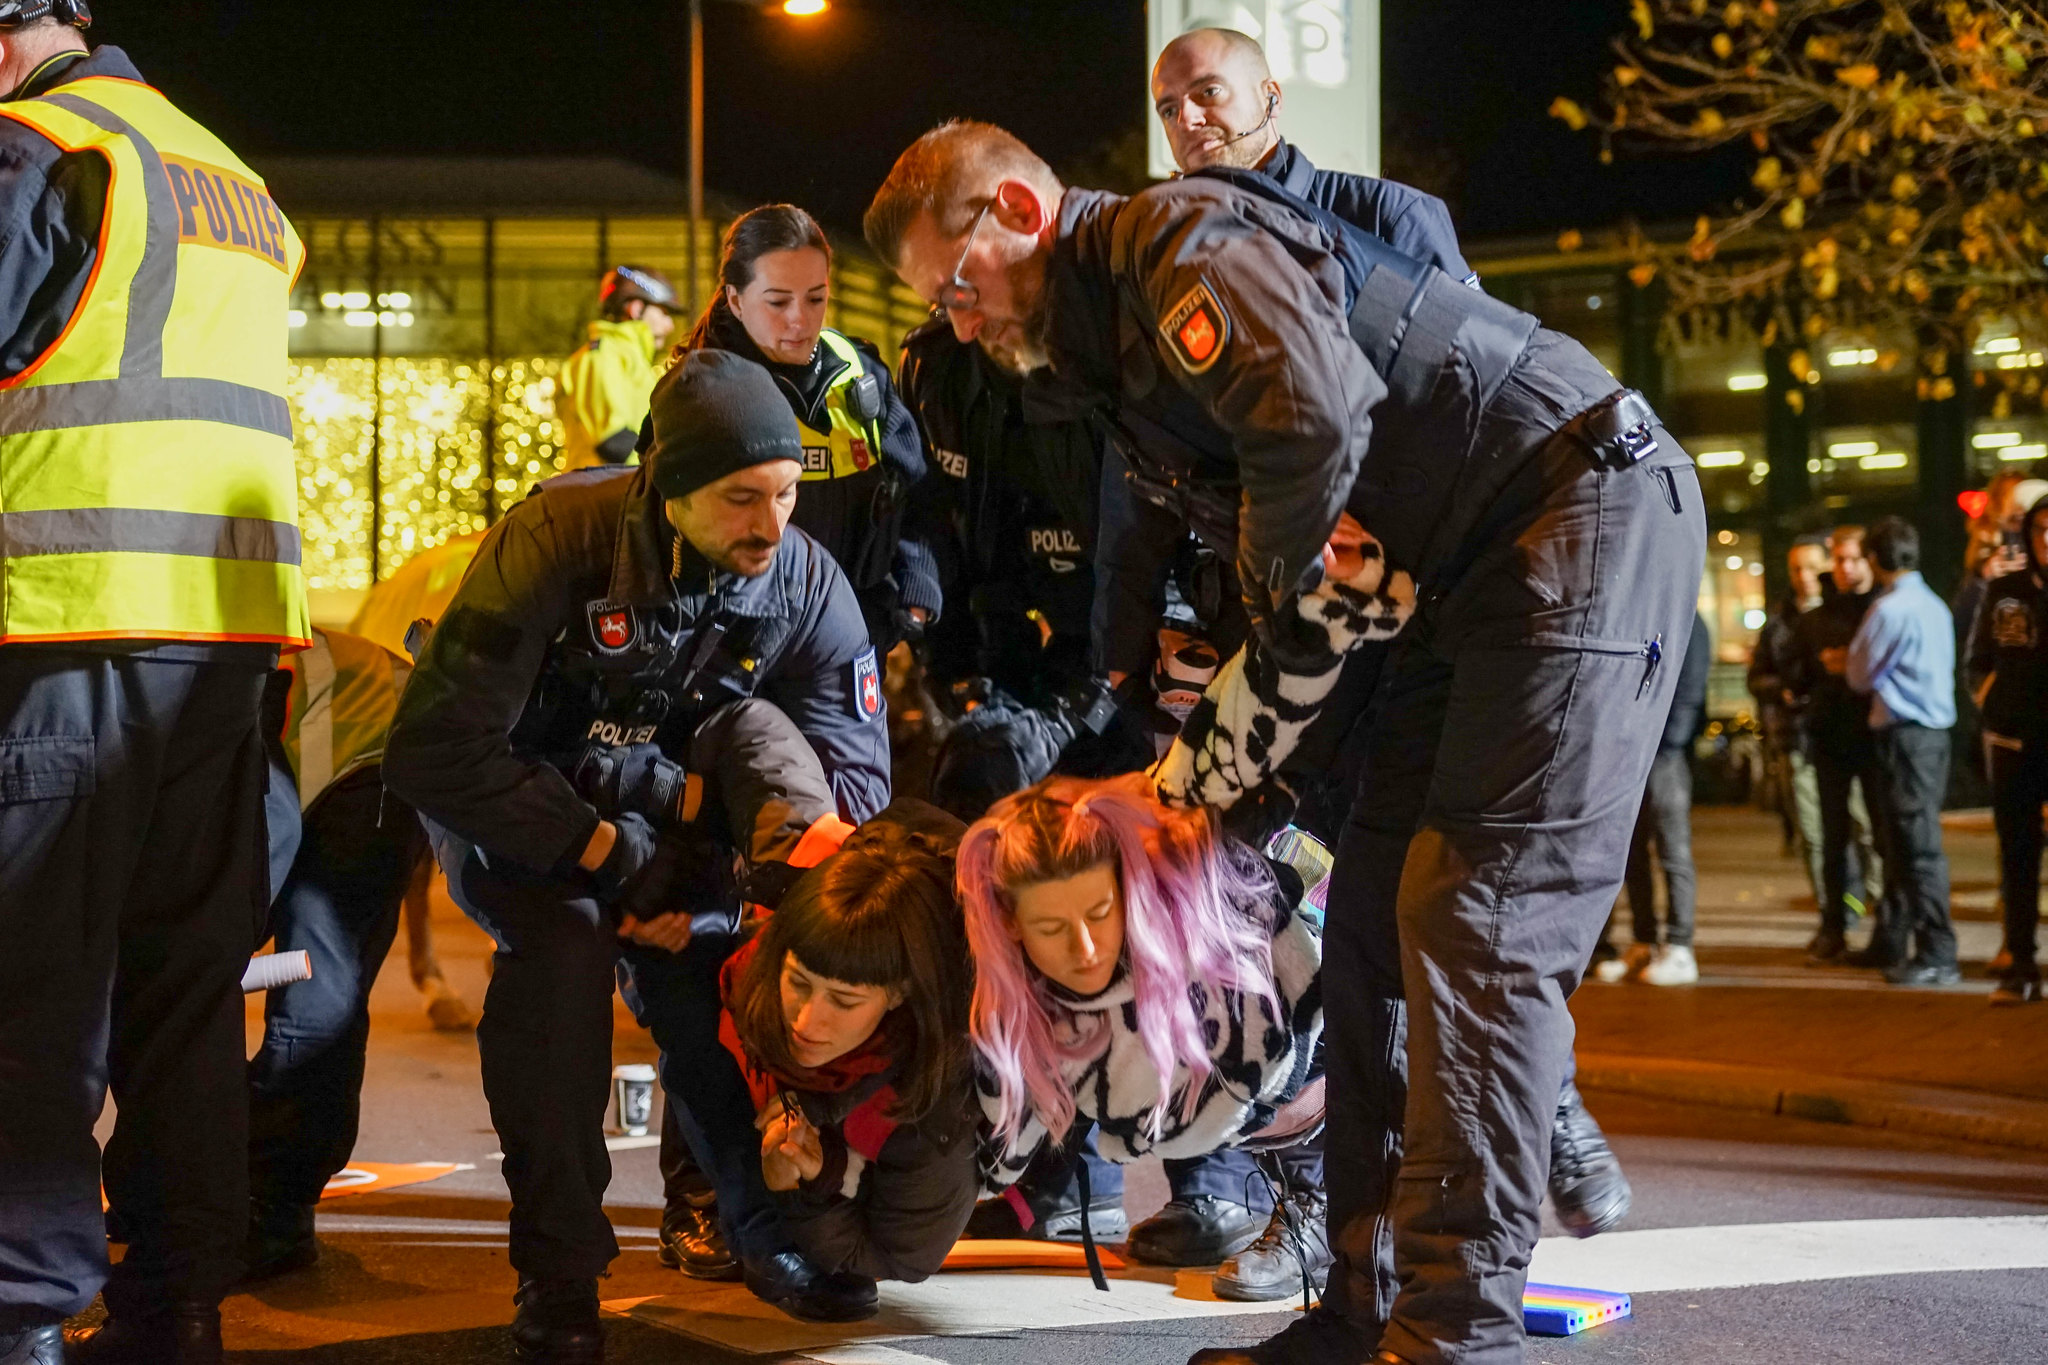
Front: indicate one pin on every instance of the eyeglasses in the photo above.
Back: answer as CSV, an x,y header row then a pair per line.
x,y
957,295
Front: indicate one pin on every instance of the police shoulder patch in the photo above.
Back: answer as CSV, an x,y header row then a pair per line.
x,y
613,627
1196,329
867,686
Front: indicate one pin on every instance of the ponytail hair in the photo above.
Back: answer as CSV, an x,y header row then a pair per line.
x,y
1195,916
752,235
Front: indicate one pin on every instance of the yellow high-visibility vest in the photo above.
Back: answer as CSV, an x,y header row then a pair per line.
x,y
605,388
147,484
849,446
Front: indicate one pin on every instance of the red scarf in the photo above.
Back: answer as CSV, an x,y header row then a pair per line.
x,y
869,1125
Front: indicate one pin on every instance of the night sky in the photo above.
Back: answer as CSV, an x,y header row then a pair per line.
x,y
816,110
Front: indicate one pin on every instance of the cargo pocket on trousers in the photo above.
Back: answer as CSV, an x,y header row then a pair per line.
x,y
46,768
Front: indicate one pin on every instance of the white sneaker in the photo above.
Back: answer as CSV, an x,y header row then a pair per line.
x,y
1674,966
1628,967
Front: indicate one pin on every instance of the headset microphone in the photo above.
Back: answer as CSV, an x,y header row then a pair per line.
x,y
1272,107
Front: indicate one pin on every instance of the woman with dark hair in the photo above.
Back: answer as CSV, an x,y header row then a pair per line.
x,y
862,452
832,1106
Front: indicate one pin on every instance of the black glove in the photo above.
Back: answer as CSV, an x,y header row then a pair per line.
x,y
690,871
633,779
632,854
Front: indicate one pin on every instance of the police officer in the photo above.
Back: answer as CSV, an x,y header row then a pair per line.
x,y
339,894
1219,105
862,456
149,574
616,610
1556,536
601,395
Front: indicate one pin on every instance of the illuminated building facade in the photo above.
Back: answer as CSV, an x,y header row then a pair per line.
x,y
437,303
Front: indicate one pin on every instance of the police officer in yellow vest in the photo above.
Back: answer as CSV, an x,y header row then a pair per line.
x,y
149,576
862,451
602,394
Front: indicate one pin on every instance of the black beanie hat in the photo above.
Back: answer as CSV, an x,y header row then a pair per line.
x,y
716,413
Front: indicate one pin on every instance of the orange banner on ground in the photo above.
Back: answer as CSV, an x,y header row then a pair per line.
x,y
995,1253
374,1177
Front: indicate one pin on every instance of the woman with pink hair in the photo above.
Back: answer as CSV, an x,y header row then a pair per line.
x,y
1135,968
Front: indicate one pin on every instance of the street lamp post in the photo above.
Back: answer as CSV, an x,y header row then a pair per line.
x,y
802,9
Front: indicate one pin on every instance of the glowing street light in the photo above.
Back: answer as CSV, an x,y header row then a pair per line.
x,y
800,9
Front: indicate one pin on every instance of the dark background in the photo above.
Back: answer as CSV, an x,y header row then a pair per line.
x,y
816,110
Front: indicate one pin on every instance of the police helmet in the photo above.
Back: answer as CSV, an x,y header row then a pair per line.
x,y
21,13
631,283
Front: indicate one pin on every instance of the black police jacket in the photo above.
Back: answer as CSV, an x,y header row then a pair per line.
x,y
1274,347
1413,223
570,629
1008,510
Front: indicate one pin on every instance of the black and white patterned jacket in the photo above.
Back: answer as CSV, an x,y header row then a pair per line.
x,y
1261,1060
1254,713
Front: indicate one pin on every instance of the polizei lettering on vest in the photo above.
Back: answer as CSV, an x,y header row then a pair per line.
x,y
619,736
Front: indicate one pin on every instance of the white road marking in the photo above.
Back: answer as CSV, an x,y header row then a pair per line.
x,y
870,1354
1731,1257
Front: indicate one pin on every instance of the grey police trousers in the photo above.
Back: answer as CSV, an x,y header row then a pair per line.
x,y
1484,850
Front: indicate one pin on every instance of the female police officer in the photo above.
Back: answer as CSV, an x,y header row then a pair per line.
x,y
861,451
610,612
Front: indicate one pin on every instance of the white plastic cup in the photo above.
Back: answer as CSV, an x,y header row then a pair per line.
x,y
631,1112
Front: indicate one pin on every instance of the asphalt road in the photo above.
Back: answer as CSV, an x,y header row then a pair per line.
x,y
420,1275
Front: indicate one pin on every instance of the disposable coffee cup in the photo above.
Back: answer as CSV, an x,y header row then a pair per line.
x,y
631,1112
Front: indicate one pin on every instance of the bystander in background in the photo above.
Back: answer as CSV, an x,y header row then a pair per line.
x,y
1903,658
1835,723
1787,766
1665,823
2008,677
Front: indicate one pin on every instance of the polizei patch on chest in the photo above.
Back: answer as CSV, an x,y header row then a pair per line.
x,y
613,629
1196,330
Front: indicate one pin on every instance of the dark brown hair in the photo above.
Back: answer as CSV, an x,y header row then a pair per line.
x,y
770,228
880,912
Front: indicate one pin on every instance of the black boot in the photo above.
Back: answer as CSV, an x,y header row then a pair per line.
x,y
692,1242
1203,1230
791,1283
557,1323
33,1346
184,1334
1587,1187
281,1240
1271,1268
1321,1336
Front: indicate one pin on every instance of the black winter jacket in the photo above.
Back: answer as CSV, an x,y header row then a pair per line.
x,y
569,629
894,1213
1689,698
2009,648
1833,717
1219,317
1008,510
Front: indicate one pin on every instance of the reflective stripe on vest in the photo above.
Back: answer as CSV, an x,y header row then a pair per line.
x,y
148,487
850,447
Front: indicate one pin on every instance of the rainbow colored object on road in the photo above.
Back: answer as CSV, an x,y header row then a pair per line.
x,y
1550,1310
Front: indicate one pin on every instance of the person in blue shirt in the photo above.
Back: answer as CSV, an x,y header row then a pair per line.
x,y
1904,659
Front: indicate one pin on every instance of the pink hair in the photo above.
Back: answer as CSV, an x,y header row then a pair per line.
x,y
1194,915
